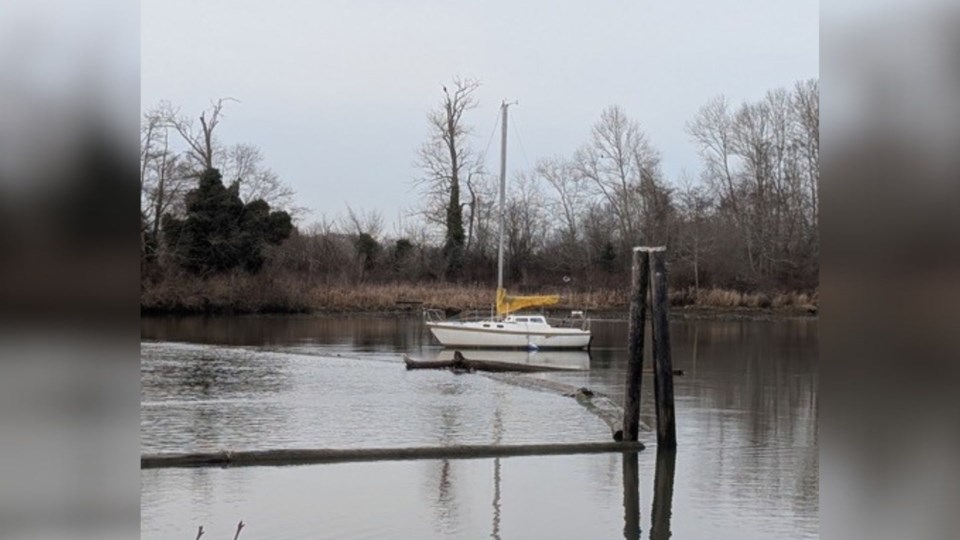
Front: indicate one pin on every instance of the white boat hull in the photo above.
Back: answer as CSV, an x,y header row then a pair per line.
x,y
494,334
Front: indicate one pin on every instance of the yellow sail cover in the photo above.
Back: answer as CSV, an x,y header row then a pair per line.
x,y
509,304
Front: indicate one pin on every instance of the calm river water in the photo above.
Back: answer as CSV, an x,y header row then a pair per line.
x,y
746,407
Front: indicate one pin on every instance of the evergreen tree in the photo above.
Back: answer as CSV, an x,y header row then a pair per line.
x,y
607,258
219,232
454,238
367,248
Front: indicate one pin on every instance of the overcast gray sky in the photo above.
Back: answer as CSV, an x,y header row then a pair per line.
x,y
335,92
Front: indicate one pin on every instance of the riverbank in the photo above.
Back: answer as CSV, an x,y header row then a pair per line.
x,y
240,294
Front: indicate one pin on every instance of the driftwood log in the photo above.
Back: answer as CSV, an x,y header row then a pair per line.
x,y
338,455
459,363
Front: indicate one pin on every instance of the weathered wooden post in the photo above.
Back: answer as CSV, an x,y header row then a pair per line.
x,y
662,361
639,278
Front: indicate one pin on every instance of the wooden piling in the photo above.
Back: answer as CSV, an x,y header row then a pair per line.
x,y
662,361
638,302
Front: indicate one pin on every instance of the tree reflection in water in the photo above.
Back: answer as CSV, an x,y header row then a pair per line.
x,y
447,507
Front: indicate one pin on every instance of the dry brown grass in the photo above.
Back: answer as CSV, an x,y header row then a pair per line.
x,y
241,293
392,296
729,299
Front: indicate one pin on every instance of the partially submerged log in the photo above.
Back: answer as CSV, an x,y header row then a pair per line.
x,y
599,404
459,363
678,372
330,455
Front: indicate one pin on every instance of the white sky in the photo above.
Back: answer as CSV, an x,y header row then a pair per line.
x,y
335,92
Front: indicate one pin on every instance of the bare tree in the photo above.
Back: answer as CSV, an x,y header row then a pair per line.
x,y
762,163
569,203
446,159
712,130
475,183
244,164
200,141
806,109
525,224
326,253
617,162
151,133
481,232
152,136
363,222
241,163
163,176
695,204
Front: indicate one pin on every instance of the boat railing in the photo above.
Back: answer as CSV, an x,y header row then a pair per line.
x,y
433,315
438,315
474,315
576,319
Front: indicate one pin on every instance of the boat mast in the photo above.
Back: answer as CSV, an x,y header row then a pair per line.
x,y
503,190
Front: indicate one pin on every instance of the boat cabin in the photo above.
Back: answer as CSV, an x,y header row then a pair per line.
x,y
529,319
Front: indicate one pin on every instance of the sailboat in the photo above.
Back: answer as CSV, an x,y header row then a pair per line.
x,y
509,328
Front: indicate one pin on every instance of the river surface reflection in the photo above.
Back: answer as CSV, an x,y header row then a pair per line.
x,y
746,466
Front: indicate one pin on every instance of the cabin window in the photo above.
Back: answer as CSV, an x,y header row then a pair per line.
x,y
486,326
499,326
521,319
536,320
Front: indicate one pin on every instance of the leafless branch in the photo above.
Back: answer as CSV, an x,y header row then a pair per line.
x,y
240,527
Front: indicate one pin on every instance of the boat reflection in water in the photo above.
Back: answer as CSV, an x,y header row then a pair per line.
x,y
579,360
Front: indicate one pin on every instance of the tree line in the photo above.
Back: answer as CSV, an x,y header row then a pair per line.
x,y
746,221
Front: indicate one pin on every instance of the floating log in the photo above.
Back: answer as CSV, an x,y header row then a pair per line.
x,y
600,405
329,455
463,364
675,371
